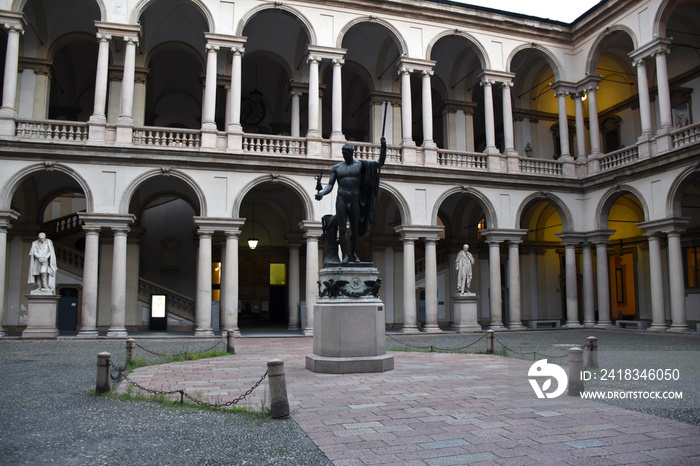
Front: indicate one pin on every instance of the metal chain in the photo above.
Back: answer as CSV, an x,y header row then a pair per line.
x,y
535,353
164,355
432,347
183,395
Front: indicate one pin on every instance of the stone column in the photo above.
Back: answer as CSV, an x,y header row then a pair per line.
x,y
593,120
431,292
580,127
117,328
571,285
603,283
88,326
312,232
644,104
294,318
209,107
313,130
236,83
665,111
203,298
515,300
294,132
406,114
427,104
8,111
99,108
489,119
230,283
563,125
676,282
9,88
508,132
125,123
409,286
658,311
337,116
6,218
588,293
495,301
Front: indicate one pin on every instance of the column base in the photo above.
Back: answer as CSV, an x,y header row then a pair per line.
x,y
432,329
203,332
496,326
603,324
572,324
678,328
294,327
657,328
88,333
516,326
410,330
117,333
349,365
308,332
589,323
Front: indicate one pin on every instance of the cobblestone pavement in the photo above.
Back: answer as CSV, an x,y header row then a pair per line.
x,y
433,408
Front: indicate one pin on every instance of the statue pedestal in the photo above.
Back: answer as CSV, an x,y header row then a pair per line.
x,y
349,323
464,311
41,315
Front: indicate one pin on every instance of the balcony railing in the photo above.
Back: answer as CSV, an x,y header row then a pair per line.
x,y
52,130
686,136
166,137
274,145
541,167
619,158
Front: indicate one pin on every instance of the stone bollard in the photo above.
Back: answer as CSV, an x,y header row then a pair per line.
x,y
103,364
592,343
230,349
575,369
279,405
489,342
130,351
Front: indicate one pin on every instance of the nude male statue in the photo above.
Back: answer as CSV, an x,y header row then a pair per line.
x,y
358,187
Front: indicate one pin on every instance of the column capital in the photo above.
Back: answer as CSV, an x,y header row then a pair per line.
x,y
404,70
338,61
665,225
225,41
495,76
113,221
212,47
225,224
655,47
427,73
131,39
311,228
494,235
118,29
13,26
571,238
563,87
310,58
598,236
7,217
486,82
102,36
326,53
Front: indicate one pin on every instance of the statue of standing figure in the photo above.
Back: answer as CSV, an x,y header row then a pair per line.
x,y
358,188
463,265
42,267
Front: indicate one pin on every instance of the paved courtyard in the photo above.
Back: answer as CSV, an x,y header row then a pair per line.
x,y
436,409
433,408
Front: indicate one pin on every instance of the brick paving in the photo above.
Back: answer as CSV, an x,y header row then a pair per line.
x,y
435,409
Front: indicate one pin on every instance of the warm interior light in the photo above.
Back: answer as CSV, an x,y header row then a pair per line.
x,y
253,241
584,96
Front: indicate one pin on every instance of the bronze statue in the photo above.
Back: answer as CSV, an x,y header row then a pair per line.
x,y
358,188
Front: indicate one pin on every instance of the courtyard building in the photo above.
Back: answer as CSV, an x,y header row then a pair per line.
x,y
153,140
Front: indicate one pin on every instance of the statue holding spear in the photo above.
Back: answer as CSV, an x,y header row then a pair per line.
x,y
358,189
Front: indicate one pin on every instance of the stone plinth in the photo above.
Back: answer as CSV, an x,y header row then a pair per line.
x,y
41,316
464,310
349,323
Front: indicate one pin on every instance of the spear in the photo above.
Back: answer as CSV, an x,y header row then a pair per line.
x,y
374,214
